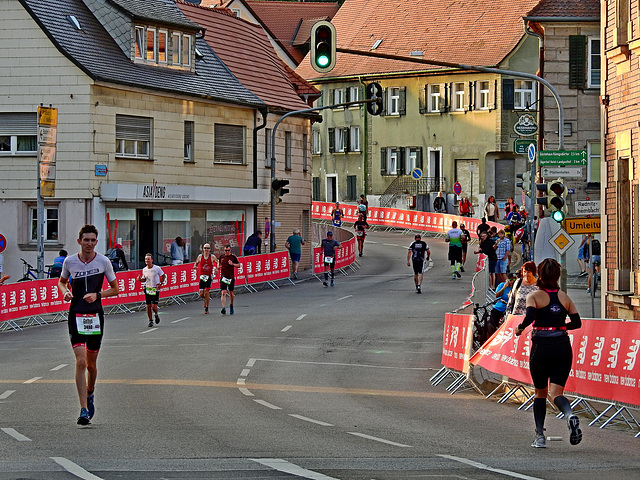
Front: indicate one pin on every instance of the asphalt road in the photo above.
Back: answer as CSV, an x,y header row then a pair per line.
x,y
303,382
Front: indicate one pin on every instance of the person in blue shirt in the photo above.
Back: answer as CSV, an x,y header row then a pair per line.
x,y
497,313
56,268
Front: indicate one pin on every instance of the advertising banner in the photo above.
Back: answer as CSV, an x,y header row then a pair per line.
x,y
456,346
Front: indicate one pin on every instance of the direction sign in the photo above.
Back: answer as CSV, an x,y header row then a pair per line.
x,y
561,241
47,153
520,145
587,207
416,173
47,171
47,135
48,116
556,158
576,225
567,172
47,188
457,188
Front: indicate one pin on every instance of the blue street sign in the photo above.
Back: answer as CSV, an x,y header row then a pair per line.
x,y
531,152
416,173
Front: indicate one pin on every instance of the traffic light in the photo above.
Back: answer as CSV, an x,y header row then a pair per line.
x,y
323,46
525,184
278,187
555,200
374,92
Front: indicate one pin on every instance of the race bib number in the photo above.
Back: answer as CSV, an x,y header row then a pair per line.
x,y
328,259
226,280
88,324
204,278
151,290
360,234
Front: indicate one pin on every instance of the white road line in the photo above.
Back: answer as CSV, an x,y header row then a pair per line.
x,y
391,244
6,394
251,362
13,433
245,372
381,440
246,392
343,298
307,419
59,367
288,327
267,404
147,331
301,316
74,469
291,468
241,381
482,466
181,319
34,379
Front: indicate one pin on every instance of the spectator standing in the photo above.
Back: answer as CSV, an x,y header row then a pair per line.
x,y
360,226
117,257
336,215
500,307
503,249
178,254
253,245
465,207
153,278
581,259
228,264
508,207
485,246
592,248
56,268
329,246
416,254
294,245
205,265
363,206
440,204
86,316
491,209
523,286
551,354
483,226
454,238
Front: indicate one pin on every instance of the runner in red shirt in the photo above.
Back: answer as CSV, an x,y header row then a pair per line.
x,y
206,266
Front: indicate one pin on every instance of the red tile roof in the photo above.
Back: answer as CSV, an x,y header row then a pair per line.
x,y
246,51
284,19
461,31
567,8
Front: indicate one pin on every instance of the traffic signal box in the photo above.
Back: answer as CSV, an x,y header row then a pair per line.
x,y
555,200
373,93
278,187
323,46
525,184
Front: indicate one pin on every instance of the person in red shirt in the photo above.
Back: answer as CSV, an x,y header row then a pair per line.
x,y
206,266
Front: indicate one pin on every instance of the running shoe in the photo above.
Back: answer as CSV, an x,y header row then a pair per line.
x,y
332,282
458,274
84,418
588,290
157,318
540,441
223,311
462,269
583,274
295,275
575,435
360,254
90,406
206,309
418,289
150,323
325,283
454,276
230,309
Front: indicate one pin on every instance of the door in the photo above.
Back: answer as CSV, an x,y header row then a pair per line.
x,y
505,175
332,188
146,236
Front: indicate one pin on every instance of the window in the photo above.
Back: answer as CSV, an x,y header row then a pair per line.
x,y
393,101
483,95
151,44
389,160
186,50
353,95
593,161
51,227
175,48
338,96
435,101
413,159
228,144
268,133
354,140
305,152
593,65
316,188
18,133
139,42
316,145
133,136
584,62
188,141
287,150
524,94
339,140
458,97
352,187
162,46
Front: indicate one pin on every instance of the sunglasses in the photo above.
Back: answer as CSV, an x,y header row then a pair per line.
x,y
207,248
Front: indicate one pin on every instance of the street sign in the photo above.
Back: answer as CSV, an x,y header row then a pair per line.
x,y
47,135
556,158
47,171
576,225
567,172
520,145
457,188
531,152
47,153
101,170
47,188
3,243
587,207
416,173
561,241
48,116
526,125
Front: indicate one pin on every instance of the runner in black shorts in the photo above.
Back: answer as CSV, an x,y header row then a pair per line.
x,y
228,263
416,254
153,278
551,356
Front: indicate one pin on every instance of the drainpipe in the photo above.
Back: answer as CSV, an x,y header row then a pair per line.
x,y
264,112
365,145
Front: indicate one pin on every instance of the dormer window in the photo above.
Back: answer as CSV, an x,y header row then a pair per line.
x,y
166,47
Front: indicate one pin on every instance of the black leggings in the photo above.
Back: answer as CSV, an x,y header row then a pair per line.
x,y
550,362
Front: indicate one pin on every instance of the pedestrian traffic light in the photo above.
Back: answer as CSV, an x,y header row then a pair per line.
x,y
323,46
525,184
555,201
373,95
278,187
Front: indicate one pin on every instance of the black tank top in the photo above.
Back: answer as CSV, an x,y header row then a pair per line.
x,y
551,317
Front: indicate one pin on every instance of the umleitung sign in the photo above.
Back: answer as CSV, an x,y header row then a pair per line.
x,y
575,225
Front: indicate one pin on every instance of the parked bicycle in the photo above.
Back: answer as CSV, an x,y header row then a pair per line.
x,y
31,273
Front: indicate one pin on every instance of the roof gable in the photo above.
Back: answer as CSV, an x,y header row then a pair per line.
x,y
567,8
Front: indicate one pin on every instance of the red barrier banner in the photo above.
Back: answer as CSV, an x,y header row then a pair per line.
x,y
345,256
267,267
456,346
605,358
23,299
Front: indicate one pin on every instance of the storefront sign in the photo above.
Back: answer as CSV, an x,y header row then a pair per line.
x,y
156,191
526,125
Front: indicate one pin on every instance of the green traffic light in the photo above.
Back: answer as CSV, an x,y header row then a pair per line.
x,y
322,60
558,216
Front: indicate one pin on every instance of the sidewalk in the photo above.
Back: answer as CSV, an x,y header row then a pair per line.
x,y
577,290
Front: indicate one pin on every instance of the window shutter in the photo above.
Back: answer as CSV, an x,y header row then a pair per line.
x,y
468,97
133,128
422,104
332,98
18,123
347,139
493,102
385,101
444,88
228,144
508,92
577,61
383,161
347,94
419,157
402,103
401,159
332,140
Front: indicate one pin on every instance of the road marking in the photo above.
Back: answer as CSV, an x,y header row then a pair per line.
x,y
241,381
267,404
301,316
363,365
381,440
147,331
343,298
307,419
6,394
286,328
74,469
246,392
34,379
391,244
181,319
59,367
293,469
245,372
13,433
482,466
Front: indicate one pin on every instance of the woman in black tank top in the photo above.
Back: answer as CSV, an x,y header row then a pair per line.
x,y
551,355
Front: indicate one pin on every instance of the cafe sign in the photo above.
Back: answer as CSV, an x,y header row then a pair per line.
x,y
526,125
